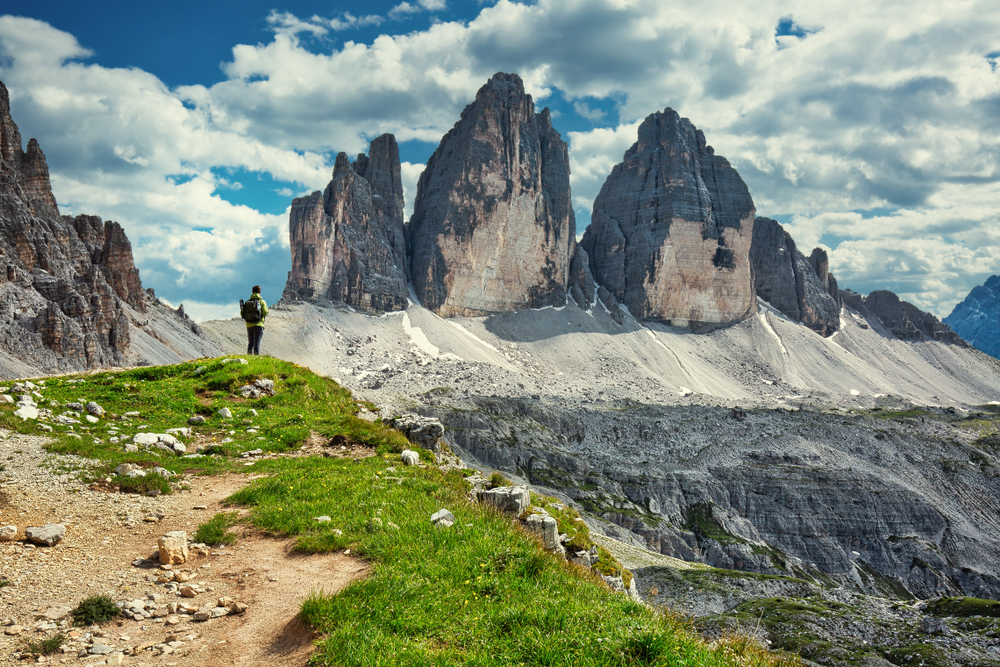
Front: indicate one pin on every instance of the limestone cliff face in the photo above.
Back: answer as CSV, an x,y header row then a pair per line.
x,y
800,287
493,228
70,295
347,243
671,229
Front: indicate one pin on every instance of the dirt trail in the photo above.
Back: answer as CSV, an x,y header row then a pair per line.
x,y
106,532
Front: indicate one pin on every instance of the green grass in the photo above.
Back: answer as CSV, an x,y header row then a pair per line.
x,y
479,593
166,396
964,607
215,531
95,609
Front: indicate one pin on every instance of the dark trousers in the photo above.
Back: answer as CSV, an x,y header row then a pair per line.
x,y
254,334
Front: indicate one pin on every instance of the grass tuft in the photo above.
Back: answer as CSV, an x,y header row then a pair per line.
x,y
215,531
46,646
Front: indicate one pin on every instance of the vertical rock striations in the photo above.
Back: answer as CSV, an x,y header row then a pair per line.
x,y
69,289
493,228
802,288
977,317
671,229
347,243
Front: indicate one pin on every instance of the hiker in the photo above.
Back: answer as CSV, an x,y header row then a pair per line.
x,y
254,311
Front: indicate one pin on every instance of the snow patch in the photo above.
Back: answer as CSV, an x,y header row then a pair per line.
x,y
418,338
767,325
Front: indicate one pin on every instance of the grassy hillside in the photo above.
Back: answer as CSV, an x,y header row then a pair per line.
x,y
478,593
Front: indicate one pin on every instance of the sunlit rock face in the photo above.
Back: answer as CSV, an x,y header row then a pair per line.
x,y
800,287
67,284
347,243
493,228
671,229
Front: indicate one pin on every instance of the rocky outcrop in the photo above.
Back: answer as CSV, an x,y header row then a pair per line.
x,y
977,317
671,229
493,228
347,243
801,288
70,295
900,318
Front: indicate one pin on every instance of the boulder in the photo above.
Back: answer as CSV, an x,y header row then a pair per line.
x,y
493,228
49,535
26,412
546,529
173,548
510,499
423,431
670,232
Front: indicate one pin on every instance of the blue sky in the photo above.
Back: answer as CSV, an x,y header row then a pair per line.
x,y
871,130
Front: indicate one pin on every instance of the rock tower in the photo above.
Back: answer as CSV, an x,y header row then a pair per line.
x,y
671,229
493,228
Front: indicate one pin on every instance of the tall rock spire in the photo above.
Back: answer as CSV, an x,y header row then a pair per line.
x,y
347,243
493,228
671,229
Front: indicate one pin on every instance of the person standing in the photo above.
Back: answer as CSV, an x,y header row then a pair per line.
x,y
254,311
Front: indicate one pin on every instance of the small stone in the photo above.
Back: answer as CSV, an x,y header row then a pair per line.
x,y
13,630
320,519
225,413
932,625
172,620
201,616
8,533
182,577
443,519
189,592
237,608
50,534
218,611
100,649
197,420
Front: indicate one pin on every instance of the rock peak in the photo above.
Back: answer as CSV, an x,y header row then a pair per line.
x,y
493,228
671,229
347,242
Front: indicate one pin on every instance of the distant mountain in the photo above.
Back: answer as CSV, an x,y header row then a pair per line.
x,y
70,295
977,318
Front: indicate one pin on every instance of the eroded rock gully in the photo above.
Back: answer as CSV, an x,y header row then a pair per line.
x,y
900,507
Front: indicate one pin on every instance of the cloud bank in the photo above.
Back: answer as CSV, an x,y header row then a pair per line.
x,y
872,130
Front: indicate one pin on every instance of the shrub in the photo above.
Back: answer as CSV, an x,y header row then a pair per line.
x,y
95,609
